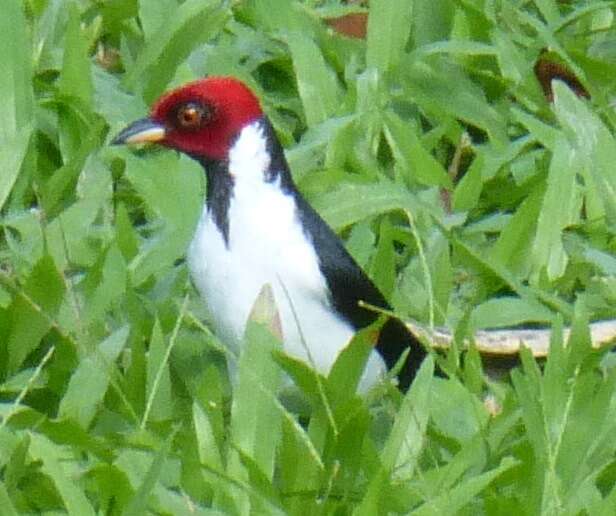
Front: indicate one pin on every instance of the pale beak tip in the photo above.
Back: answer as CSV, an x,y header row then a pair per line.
x,y
117,140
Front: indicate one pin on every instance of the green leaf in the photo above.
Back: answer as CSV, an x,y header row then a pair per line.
x,y
5,502
389,25
549,10
75,79
73,237
115,105
34,311
255,416
154,15
513,248
12,153
60,471
543,133
161,181
509,311
16,108
316,82
110,279
527,387
61,186
401,452
208,447
255,419
24,379
160,400
92,376
361,242
594,144
138,504
193,22
470,459
351,203
383,266
415,160
346,373
509,279
456,498
463,48
467,191
302,157
279,16
304,377
560,207
438,254
456,412
432,20
402,449
126,236
447,91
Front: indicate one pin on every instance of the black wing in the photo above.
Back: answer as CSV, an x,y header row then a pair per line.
x,y
349,284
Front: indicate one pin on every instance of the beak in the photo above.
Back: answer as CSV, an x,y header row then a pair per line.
x,y
140,131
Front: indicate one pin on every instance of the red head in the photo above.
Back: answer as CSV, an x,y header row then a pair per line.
x,y
200,118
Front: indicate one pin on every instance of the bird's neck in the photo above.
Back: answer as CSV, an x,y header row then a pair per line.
x,y
218,194
254,157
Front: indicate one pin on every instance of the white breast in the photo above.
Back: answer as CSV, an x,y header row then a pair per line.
x,y
267,245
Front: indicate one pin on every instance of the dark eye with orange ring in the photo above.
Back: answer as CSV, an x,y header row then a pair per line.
x,y
191,116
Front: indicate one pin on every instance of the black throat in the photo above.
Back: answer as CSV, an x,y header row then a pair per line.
x,y
219,190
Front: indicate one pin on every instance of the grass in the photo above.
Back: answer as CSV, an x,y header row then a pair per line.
x,y
114,396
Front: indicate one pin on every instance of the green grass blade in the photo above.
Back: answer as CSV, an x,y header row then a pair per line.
x,y
159,404
53,464
389,26
75,78
92,376
193,22
595,143
351,203
255,418
12,153
456,498
559,208
432,20
8,509
139,503
33,311
17,107
401,451
315,80
509,311
161,182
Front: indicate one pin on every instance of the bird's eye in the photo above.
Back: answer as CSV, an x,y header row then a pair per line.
x,y
191,116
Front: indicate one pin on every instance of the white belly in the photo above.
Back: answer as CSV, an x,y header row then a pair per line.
x,y
229,280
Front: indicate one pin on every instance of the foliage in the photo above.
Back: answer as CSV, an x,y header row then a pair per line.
x,y
114,396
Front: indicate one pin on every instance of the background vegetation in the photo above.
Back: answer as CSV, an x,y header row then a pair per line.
x,y
429,145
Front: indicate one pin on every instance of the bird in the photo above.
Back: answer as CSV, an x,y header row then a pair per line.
x,y
257,229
